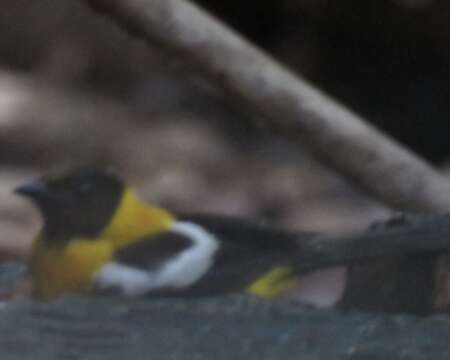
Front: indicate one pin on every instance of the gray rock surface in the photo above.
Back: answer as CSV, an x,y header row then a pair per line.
x,y
227,328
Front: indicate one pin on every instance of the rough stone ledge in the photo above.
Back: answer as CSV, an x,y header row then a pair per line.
x,y
225,328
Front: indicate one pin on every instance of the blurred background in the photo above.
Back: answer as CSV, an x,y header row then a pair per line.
x,y
75,89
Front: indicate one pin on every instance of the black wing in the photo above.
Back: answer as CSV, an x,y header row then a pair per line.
x,y
248,250
149,253
248,233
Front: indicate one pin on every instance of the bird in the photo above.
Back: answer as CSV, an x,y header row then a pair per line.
x,y
98,237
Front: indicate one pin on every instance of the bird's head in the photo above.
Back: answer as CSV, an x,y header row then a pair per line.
x,y
76,203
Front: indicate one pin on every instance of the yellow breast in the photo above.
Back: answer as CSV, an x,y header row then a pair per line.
x,y
69,269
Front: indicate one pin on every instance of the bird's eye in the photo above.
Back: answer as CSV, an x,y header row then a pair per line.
x,y
85,188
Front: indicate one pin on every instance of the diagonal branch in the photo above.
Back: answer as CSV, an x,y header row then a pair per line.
x,y
289,105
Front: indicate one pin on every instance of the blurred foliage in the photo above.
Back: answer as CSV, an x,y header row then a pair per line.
x,y
388,59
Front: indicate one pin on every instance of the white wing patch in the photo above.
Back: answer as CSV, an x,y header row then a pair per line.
x,y
128,280
182,270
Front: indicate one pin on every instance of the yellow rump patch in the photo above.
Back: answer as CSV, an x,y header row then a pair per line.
x,y
273,283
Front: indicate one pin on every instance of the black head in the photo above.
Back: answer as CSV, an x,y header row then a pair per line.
x,y
80,203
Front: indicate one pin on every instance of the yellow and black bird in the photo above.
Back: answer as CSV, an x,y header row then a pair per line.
x,y
98,237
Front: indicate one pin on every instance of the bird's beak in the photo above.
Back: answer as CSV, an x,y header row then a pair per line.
x,y
36,190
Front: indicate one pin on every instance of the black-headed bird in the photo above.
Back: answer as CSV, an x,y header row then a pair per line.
x,y
99,237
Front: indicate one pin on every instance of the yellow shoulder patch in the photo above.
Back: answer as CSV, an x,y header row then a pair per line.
x,y
135,219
